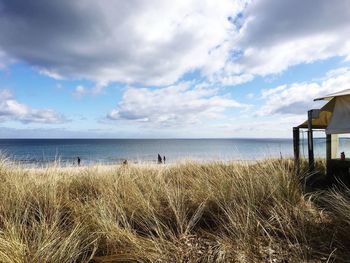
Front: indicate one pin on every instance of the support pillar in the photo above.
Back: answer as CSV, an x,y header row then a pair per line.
x,y
329,153
335,145
310,141
296,146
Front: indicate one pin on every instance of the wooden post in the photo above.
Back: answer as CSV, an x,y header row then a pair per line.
x,y
310,141
335,145
329,153
296,144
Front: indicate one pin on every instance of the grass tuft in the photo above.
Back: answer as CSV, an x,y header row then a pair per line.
x,y
187,212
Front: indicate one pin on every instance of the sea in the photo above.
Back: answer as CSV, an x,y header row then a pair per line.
x,y
114,151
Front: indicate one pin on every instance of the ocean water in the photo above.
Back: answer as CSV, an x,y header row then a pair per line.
x,y
91,151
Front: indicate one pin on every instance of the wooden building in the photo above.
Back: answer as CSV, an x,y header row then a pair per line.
x,y
334,119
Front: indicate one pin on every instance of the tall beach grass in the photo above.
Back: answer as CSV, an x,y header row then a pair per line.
x,y
187,212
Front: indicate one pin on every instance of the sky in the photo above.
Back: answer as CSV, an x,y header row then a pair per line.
x,y
168,69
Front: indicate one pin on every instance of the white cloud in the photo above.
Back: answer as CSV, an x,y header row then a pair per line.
x,y
268,92
149,42
79,91
51,74
263,127
278,34
176,105
156,42
297,98
5,94
4,59
11,109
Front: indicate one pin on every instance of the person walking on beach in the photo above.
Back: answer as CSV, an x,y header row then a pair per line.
x,y
164,159
78,159
159,159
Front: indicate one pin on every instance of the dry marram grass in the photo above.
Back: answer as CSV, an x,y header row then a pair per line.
x,y
188,212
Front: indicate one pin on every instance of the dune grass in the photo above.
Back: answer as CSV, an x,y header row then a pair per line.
x,y
188,212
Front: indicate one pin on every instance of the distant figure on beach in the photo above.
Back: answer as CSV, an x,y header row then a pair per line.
x,y
78,160
125,162
164,159
159,159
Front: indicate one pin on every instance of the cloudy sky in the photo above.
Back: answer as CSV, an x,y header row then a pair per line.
x,y
164,69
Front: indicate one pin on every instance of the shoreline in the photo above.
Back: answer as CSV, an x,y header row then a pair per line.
x,y
111,165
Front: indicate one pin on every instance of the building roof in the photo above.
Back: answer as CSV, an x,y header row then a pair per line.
x,y
324,118
334,117
345,92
